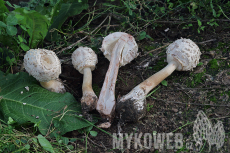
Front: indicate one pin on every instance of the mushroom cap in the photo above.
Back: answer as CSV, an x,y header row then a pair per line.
x,y
42,64
84,57
185,52
129,51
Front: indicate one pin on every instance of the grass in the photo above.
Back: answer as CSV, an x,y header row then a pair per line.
x,y
14,140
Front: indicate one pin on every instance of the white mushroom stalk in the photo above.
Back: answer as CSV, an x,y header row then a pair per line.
x,y
45,66
182,55
120,48
84,60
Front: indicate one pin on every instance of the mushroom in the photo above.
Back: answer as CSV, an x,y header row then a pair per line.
x,y
119,48
45,66
84,60
182,55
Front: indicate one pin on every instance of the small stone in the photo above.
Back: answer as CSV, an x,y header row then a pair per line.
x,y
175,110
166,30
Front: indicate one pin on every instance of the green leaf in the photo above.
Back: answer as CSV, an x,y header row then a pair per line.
x,y
24,47
165,83
2,24
19,17
11,20
130,12
3,8
67,10
21,39
200,64
162,9
57,112
93,133
9,42
199,22
65,140
11,61
45,143
4,55
11,30
8,3
70,147
37,124
213,11
36,24
142,35
10,121
27,146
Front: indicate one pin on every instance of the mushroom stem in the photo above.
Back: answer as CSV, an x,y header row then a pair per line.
x,y
155,79
54,86
87,81
89,98
106,102
131,107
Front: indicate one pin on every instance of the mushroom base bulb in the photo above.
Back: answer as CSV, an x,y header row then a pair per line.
x,y
129,111
132,107
54,86
88,102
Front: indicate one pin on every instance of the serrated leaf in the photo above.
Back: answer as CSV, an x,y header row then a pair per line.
x,y
67,10
11,30
38,104
36,24
45,143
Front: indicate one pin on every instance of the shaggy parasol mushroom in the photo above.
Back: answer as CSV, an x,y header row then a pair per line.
x,y
84,60
45,66
119,48
182,55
